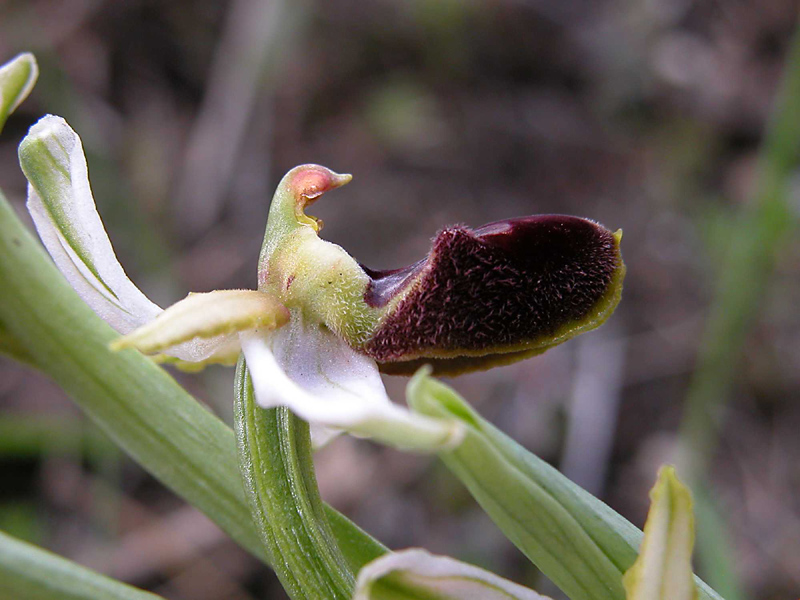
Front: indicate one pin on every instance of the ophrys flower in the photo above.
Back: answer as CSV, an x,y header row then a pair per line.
x,y
320,325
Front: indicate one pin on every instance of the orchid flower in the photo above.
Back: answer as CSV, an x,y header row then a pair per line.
x,y
320,327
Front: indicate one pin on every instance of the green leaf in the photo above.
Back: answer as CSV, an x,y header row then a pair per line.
x,y
133,400
582,545
17,78
30,573
278,473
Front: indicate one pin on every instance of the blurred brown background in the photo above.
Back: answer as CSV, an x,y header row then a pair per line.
x,y
641,114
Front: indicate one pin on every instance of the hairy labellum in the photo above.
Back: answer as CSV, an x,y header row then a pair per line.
x,y
495,294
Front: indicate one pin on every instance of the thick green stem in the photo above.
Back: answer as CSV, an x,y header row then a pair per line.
x,y
278,473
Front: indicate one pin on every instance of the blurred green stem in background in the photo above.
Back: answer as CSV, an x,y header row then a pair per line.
x,y
742,283
27,435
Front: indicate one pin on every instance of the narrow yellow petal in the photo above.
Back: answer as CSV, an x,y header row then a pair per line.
x,y
226,359
663,570
206,316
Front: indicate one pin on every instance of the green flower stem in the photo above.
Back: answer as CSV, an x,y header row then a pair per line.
x,y
582,545
278,472
133,400
30,573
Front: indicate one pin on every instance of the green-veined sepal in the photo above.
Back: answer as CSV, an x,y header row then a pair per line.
x,y
63,210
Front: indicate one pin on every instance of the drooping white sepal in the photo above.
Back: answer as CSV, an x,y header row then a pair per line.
x,y
323,380
419,573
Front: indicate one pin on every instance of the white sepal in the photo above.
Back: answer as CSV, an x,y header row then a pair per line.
x,y
324,381
433,576
63,210
62,207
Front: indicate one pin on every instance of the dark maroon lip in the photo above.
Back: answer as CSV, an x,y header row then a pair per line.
x,y
515,236
500,286
528,236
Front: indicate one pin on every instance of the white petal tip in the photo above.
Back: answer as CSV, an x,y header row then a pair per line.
x,y
48,125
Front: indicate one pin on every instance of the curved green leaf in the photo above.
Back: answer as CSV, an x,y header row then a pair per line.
x,y
663,570
31,573
582,545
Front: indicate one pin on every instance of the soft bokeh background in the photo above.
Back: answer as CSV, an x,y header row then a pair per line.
x,y
641,114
